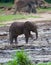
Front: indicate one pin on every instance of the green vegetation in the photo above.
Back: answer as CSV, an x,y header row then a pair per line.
x,y
41,10
20,58
42,63
49,1
6,4
6,18
49,63
5,1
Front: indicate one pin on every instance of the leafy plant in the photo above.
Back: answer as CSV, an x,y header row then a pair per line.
x,y
20,58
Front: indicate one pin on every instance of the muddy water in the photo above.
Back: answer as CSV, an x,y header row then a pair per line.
x,y
38,50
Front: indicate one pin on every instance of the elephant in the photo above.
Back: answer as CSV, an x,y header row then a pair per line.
x,y
18,28
24,3
32,5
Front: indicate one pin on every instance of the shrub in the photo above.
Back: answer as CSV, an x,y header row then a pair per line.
x,y
20,58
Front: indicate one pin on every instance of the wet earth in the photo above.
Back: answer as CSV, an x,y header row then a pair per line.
x,y
38,50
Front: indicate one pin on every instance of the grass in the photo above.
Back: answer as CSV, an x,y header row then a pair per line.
x,y
15,17
41,63
6,4
6,18
41,10
1,11
44,63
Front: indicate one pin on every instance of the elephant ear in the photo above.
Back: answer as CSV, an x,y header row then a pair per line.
x,y
27,25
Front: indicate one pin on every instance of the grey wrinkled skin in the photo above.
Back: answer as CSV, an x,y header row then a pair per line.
x,y
25,28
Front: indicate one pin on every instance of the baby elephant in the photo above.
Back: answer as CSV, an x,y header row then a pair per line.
x,y
25,28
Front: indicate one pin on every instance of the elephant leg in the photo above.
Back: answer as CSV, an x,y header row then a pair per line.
x,y
26,35
11,40
15,9
15,40
33,8
26,38
36,34
30,8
